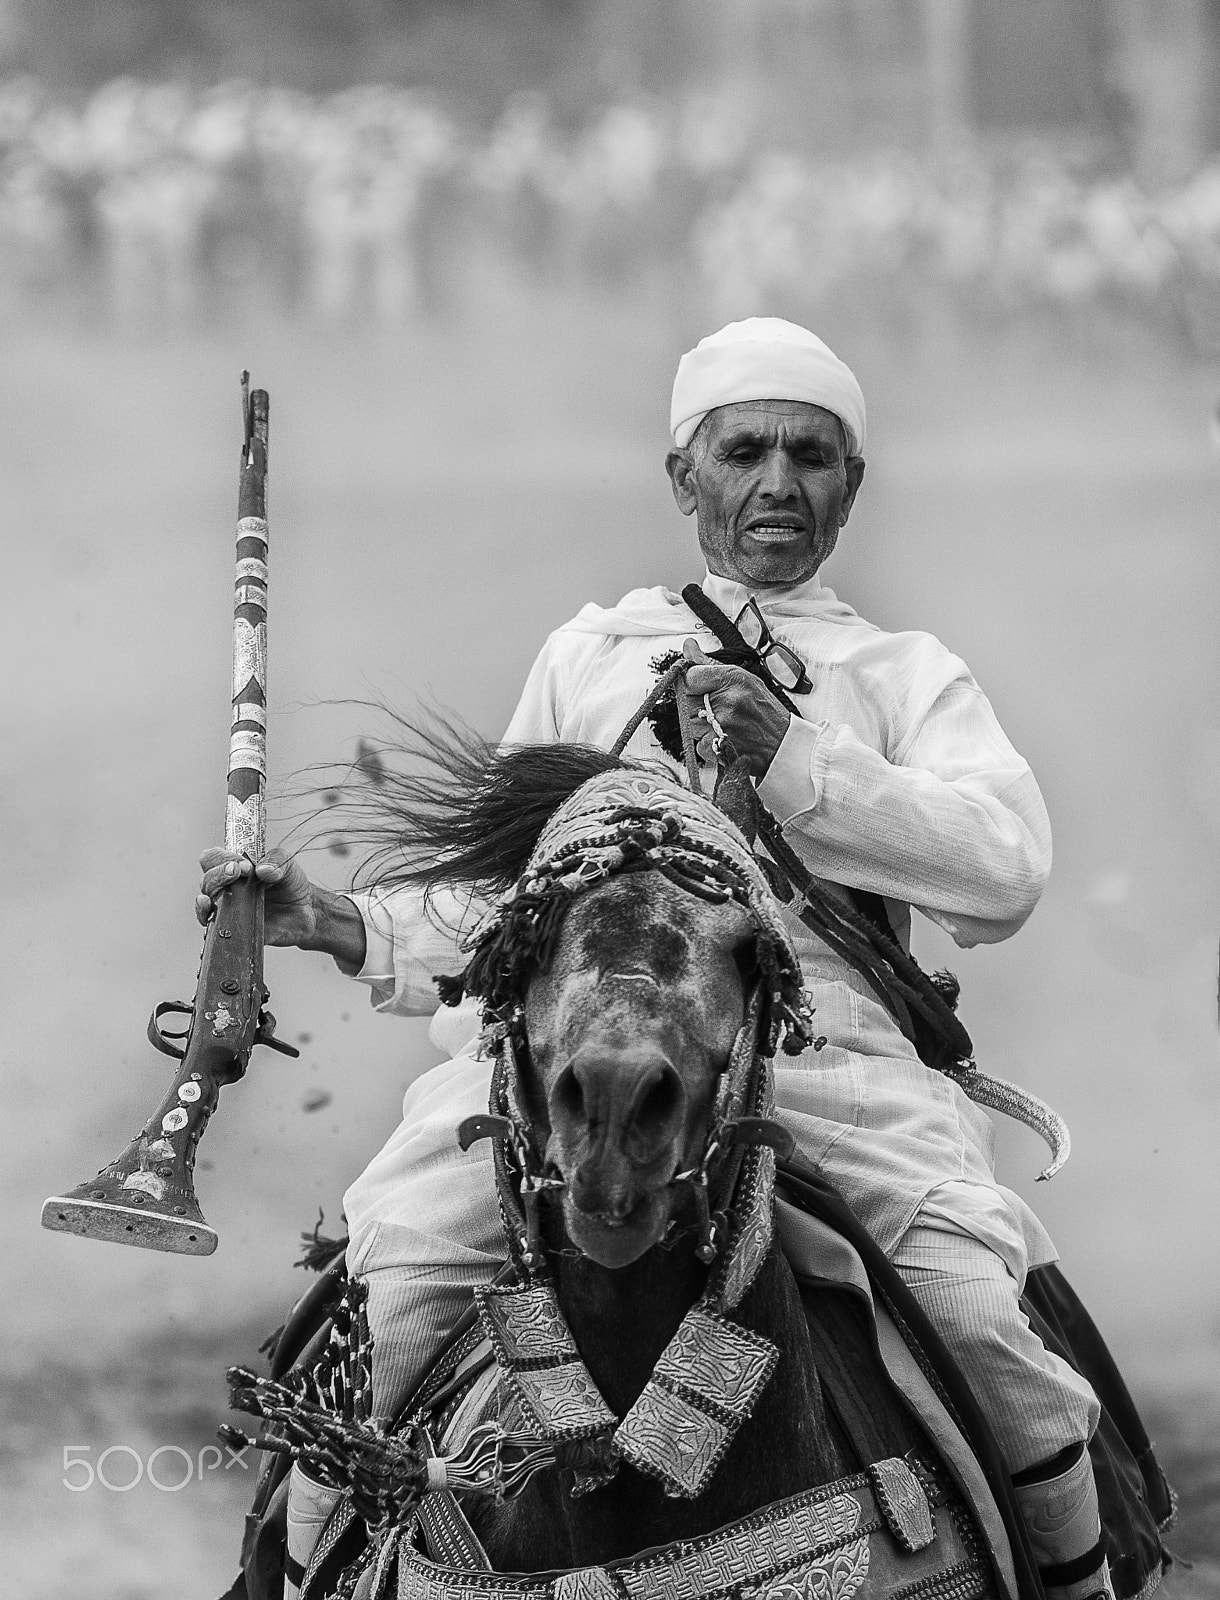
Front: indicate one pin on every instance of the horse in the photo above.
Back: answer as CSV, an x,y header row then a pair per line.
x,y
696,1419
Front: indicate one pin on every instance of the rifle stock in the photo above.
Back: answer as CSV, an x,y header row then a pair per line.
x,y
147,1195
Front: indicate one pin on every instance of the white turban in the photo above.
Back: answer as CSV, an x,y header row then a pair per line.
x,y
764,358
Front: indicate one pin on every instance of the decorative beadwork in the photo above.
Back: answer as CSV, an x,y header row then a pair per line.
x,y
903,1503
752,1226
703,1388
421,1580
776,1540
618,819
535,1350
967,1581
834,1577
564,1401
586,1583
526,1324
667,1437
719,1361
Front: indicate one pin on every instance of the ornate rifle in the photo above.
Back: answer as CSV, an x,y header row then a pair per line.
x,y
147,1195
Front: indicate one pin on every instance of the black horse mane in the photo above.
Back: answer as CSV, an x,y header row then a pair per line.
x,y
443,805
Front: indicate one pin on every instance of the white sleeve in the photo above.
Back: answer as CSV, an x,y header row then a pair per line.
x,y
955,825
409,944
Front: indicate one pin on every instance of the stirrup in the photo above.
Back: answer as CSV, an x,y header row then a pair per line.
x,y
1097,1585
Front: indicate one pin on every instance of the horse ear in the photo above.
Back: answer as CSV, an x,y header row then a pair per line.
x,y
734,794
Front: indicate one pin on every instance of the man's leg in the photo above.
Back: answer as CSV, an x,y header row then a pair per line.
x,y
425,1227
1042,1411
424,1231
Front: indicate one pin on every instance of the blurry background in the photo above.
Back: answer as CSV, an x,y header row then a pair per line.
x,y
463,243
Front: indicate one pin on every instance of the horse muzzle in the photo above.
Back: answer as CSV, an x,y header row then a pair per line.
x,y
618,1125
617,1234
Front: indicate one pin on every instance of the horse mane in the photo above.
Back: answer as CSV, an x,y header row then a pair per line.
x,y
445,806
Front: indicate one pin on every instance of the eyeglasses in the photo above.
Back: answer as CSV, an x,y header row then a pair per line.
x,y
784,665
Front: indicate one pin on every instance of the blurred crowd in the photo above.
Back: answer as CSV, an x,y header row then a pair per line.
x,y
158,203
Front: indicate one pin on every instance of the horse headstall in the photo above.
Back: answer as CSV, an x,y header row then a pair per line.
x,y
632,820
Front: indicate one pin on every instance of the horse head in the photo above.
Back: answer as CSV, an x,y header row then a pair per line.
x,y
619,974
630,1028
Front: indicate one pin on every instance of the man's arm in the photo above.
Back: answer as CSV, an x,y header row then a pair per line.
x,y
339,931
956,826
953,823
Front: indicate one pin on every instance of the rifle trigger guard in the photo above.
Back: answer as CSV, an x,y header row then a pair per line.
x,y
160,1037
266,1035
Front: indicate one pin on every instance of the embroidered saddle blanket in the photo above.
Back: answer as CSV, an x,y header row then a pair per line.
x,y
890,1527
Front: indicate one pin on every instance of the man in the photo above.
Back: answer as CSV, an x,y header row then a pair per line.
x,y
896,779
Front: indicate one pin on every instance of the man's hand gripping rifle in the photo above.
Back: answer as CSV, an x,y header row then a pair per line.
x,y
146,1196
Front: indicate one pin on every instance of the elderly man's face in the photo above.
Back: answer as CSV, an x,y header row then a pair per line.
x,y
771,490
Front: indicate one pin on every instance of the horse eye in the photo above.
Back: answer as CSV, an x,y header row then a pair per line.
x,y
745,957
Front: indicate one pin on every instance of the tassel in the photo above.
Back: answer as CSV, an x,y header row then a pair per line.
x,y
451,987
490,1462
320,1251
947,986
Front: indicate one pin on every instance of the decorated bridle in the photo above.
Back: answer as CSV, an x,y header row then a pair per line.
x,y
708,1378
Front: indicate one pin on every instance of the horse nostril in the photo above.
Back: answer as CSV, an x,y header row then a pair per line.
x,y
659,1102
660,1098
567,1097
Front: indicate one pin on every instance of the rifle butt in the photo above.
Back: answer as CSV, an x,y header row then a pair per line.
x,y
146,1195
92,1212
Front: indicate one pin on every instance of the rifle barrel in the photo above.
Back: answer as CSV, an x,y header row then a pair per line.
x,y
245,823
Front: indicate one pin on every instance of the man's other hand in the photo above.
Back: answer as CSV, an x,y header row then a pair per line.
x,y
290,901
748,712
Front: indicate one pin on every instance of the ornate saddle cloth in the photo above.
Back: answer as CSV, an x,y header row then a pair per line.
x,y
894,1529
891,1525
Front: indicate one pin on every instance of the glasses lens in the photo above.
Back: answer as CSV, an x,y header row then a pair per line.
x,y
751,626
785,666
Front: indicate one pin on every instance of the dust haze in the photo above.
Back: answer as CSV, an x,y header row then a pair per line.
x,y
460,458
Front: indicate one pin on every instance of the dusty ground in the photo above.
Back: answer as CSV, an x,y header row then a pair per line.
x,y
439,500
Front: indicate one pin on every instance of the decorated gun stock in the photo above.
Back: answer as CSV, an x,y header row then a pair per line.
x,y
146,1196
